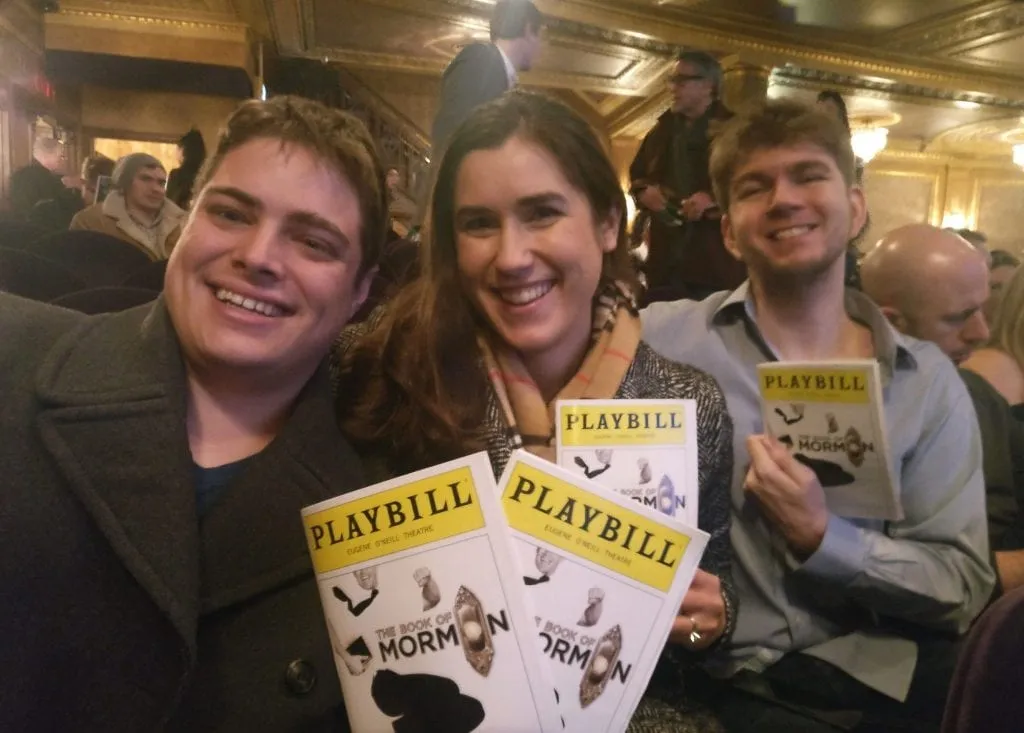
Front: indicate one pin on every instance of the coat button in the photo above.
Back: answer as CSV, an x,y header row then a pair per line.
x,y
300,677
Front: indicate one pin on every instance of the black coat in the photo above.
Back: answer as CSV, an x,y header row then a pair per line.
x,y
475,76
34,184
121,610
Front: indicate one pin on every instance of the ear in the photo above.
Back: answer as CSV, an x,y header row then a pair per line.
x,y
608,231
362,291
895,317
728,239
858,211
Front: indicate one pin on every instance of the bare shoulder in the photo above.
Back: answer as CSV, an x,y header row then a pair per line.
x,y
1000,370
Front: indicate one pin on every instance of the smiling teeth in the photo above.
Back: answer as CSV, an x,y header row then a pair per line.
x,y
792,232
256,306
524,296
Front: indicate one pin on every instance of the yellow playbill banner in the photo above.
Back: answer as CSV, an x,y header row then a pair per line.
x,y
589,526
594,426
803,384
401,518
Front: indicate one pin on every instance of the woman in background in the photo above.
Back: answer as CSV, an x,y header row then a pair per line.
x,y
192,152
525,297
1001,267
1001,363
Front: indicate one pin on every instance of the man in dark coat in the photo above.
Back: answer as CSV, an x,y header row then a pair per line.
x,y
41,181
479,73
484,71
672,186
155,461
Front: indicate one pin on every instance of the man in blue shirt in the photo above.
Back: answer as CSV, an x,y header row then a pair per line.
x,y
843,622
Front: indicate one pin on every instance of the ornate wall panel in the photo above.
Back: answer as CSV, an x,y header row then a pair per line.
x,y
896,198
999,207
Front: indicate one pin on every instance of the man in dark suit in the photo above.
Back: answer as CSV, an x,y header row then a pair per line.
x,y
483,71
155,461
41,181
672,186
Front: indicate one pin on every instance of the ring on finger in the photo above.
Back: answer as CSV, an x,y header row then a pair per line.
x,y
695,636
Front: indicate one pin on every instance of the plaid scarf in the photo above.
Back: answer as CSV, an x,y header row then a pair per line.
x,y
614,340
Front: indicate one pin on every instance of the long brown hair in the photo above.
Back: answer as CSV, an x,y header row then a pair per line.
x,y
414,385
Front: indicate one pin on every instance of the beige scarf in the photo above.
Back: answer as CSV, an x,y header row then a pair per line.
x,y
615,337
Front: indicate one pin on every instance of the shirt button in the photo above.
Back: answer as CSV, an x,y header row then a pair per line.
x,y
300,677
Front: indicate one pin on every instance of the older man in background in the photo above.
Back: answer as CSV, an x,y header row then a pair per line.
x,y
670,180
41,181
137,210
932,284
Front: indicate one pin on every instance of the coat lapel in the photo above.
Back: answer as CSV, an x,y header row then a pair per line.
x,y
308,462
112,418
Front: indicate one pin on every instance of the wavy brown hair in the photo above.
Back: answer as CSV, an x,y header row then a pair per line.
x,y
413,385
337,139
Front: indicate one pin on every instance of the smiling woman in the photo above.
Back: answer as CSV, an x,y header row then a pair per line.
x,y
526,297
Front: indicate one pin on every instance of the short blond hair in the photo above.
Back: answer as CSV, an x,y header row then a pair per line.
x,y
777,123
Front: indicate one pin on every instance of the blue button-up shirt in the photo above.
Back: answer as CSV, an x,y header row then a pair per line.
x,y
930,569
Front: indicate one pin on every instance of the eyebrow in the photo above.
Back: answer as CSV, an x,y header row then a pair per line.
x,y
302,218
540,199
801,166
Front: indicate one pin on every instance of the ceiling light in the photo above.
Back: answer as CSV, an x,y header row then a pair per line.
x,y
966,104
1018,155
869,142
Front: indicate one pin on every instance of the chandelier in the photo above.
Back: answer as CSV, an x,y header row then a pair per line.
x,y
1018,155
869,142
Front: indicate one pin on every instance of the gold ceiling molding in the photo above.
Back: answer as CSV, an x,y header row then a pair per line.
x,y
642,70
965,29
847,88
219,30
435,66
990,137
962,161
769,46
219,7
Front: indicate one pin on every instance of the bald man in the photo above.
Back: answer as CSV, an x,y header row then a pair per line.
x,y
931,284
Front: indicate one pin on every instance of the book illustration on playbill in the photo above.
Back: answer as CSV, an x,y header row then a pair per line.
x,y
645,450
425,607
831,417
605,577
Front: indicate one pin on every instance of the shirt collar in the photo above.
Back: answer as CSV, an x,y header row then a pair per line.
x,y
891,347
510,69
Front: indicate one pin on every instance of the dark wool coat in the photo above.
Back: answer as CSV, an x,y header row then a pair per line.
x,y
122,611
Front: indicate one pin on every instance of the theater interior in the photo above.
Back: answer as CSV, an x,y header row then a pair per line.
x,y
943,79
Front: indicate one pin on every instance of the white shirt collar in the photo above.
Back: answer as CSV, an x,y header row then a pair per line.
x,y
513,77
